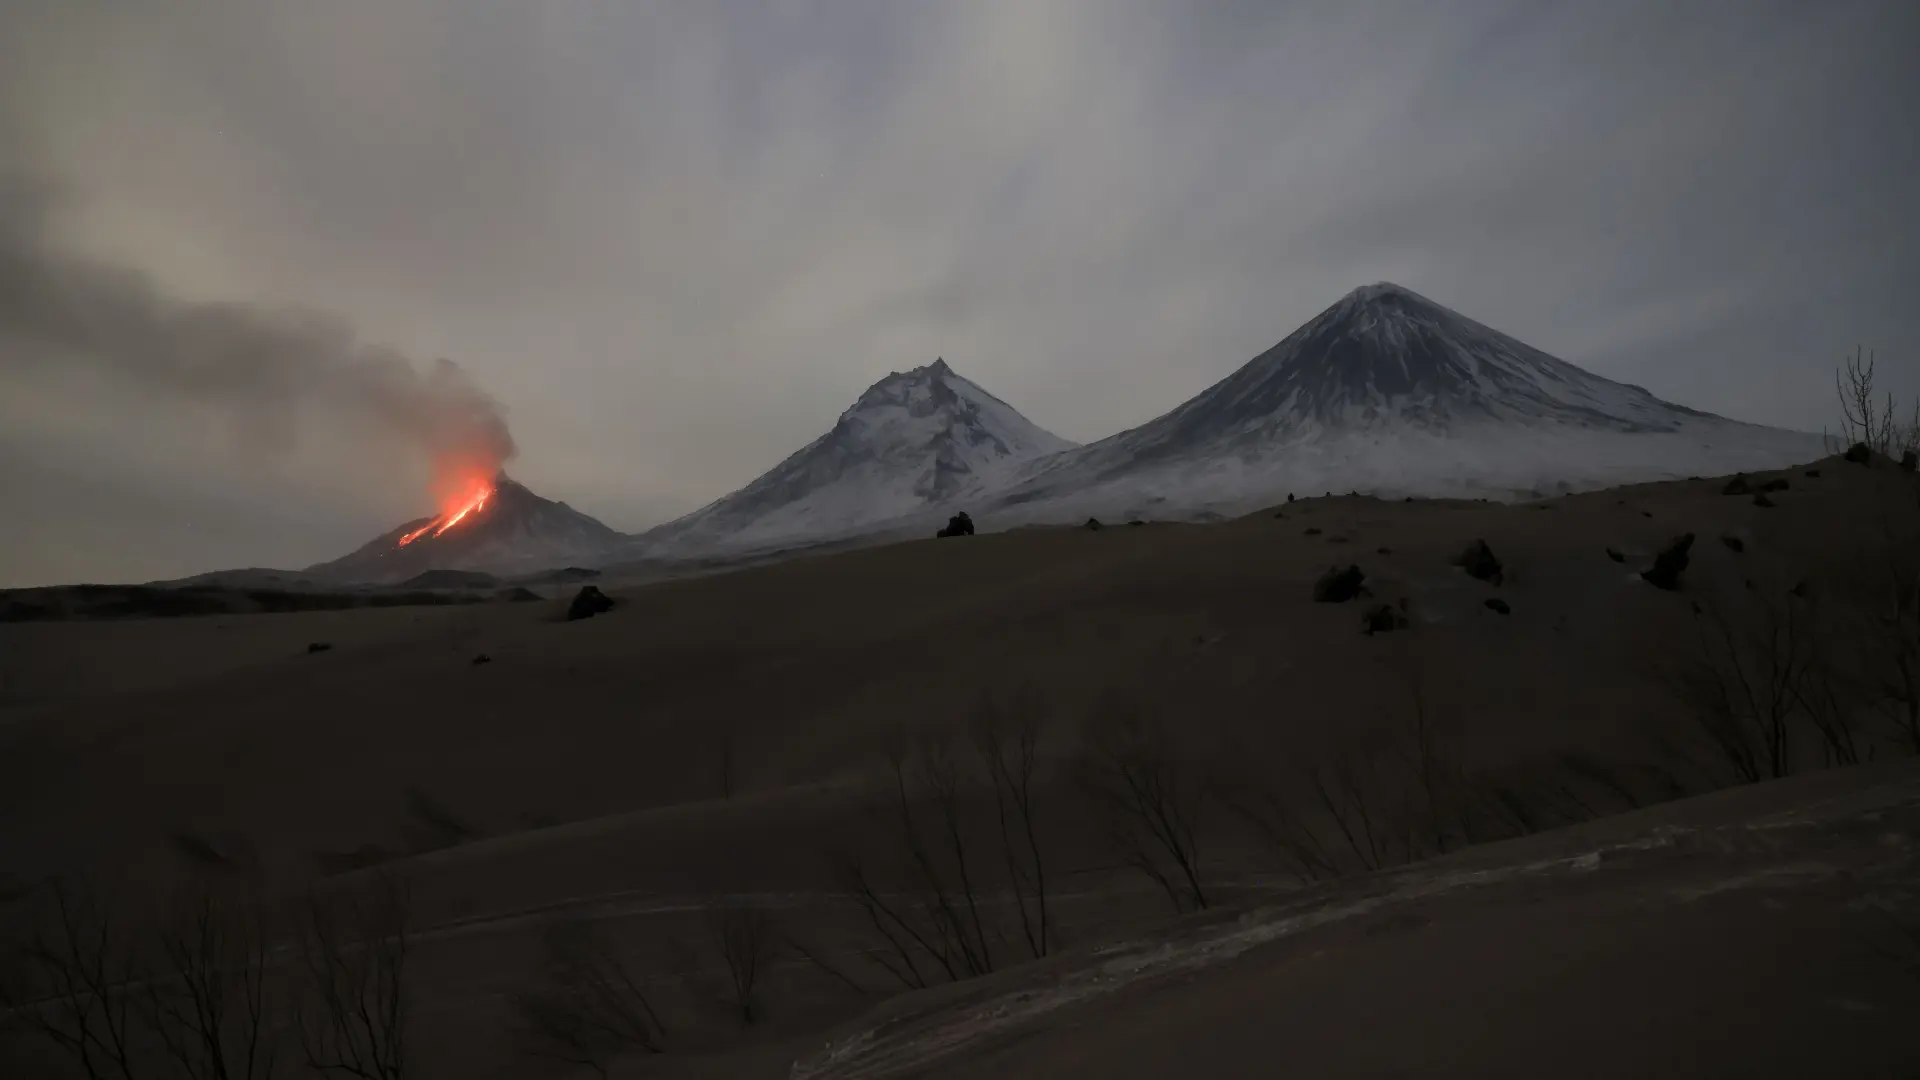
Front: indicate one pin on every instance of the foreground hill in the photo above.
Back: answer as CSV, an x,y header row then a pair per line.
x,y
721,743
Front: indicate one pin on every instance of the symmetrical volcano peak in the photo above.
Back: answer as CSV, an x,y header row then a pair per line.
x,y
1386,390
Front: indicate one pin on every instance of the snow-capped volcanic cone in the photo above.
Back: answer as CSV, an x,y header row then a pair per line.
x,y
1389,392
500,528
914,442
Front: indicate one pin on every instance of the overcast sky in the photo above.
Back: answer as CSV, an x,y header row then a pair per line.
x,y
674,241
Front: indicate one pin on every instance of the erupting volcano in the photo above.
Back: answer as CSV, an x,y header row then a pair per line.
x,y
488,524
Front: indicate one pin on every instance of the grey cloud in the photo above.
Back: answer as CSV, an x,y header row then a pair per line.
x,y
677,240
261,369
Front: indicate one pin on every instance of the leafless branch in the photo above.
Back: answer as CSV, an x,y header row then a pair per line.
x,y
352,1018
586,1007
1151,801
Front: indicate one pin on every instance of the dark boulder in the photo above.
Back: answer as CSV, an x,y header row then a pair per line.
x,y
1858,454
1910,460
1494,603
1763,502
1383,551
588,602
1289,496
1734,543
1813,474
1669,564
1737,486
482,658
957,525
1615,556
1312,530
1381,619
1093,525
1778,483
1338,585
1479,562
319,646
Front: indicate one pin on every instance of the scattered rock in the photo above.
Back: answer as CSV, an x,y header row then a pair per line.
x,y
1479,562
1669,564
1381,619
1778,483
1858,454
1313,530
1737,486
1339,539
1093,525
319,646
1910,460
1383,551
1813,473
1337,586
1615,556
957,525
1499,605
1136,521
1799,589
483,658
1280,515
1763,502
1734,543
588,602
1646,513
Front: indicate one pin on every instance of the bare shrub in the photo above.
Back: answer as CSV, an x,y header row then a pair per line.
x,y
1362,801
1007,739
185,993
211,1008
934,928
745,937
585,1007
1151,800
352,1013
70,984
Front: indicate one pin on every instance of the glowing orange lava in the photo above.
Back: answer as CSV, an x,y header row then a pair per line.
x,y
473,503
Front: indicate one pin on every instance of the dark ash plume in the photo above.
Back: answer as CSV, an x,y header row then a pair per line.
x,y
264,367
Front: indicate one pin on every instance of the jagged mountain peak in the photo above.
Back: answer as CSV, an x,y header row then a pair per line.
x,y
914,440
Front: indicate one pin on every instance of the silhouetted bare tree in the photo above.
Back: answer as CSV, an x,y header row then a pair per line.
x,y
586,1006
1007,739
352,1013
210,1007
70,984
1151,800
746,939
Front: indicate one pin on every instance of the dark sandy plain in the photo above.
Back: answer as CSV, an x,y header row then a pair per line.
x,y
1584,891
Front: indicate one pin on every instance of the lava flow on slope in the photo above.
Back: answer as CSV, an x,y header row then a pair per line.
x,y
459,510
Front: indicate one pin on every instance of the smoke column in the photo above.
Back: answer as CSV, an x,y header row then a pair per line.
x,y
262,367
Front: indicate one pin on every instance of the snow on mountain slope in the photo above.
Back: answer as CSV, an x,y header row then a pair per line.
x,y
1391,393
915,441
515,532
